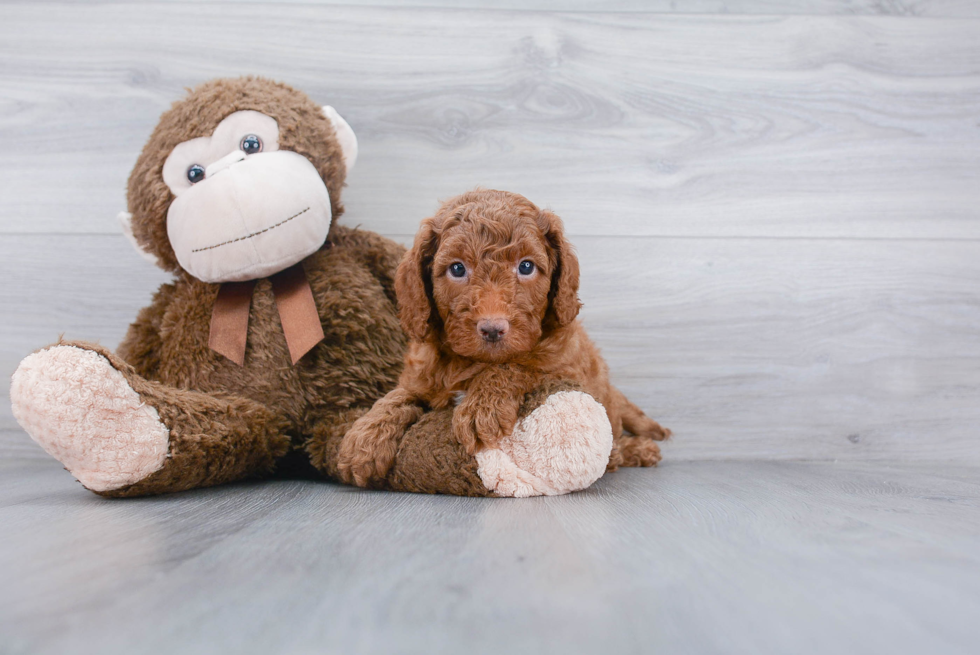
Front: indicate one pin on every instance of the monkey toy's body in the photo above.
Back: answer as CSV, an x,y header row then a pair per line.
x,y
168,412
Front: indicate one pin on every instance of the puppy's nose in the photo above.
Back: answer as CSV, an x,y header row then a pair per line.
x,y
493,329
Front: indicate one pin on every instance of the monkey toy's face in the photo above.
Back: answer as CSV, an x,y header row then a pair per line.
x,y
245,192
244,208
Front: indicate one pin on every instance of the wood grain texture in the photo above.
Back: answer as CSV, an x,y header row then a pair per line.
x,y
626,124
907,8
747,348
709,557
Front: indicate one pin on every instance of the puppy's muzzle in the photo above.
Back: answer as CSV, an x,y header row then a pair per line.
x,y
493,329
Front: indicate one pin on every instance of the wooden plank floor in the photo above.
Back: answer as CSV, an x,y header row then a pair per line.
x,y
696,557
776,209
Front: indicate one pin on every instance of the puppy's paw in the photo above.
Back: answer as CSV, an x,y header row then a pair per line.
x,y
493,423
650,429
367,452
634,451
464,429
365,456
485,422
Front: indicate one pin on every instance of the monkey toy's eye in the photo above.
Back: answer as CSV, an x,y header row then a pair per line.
x,y
526,267
457,269
251,144
195,173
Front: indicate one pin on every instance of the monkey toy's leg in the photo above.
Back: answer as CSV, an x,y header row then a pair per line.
x,y
561,443
122,435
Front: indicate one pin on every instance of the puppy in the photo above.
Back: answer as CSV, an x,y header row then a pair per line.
x,y
488,296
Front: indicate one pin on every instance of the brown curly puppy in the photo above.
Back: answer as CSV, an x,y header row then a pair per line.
x,y
488,296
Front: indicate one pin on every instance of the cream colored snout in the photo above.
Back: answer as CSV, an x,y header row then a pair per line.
x,y
250,217
223,163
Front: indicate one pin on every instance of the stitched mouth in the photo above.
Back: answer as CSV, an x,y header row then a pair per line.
x,y
253,234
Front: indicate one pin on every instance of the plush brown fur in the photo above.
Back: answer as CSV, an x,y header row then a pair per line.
x,y
490,233
358,360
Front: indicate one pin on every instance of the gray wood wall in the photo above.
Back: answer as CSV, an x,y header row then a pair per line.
x,y
776,204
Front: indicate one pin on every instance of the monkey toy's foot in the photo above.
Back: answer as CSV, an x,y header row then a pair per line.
x,y
85,414
561,446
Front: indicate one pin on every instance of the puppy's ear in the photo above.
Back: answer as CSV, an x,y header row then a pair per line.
x,y
563,302
413,284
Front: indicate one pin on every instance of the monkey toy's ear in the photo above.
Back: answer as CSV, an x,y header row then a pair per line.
x,y
345,135
126,222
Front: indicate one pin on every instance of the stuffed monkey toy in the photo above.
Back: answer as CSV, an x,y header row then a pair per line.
x,y
279,329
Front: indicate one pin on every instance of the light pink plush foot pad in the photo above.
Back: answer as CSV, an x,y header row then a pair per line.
x,y
84,414
560,447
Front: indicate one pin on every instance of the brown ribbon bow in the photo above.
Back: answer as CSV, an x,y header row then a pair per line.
x,y
297,312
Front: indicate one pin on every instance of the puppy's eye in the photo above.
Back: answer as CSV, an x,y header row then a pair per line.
x,y
251,144
195,173
526,267
457,269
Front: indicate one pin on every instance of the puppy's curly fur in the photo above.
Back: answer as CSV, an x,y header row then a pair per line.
x,y
488,296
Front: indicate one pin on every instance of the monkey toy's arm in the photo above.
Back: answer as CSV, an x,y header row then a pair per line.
x,y
380,255
142,347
